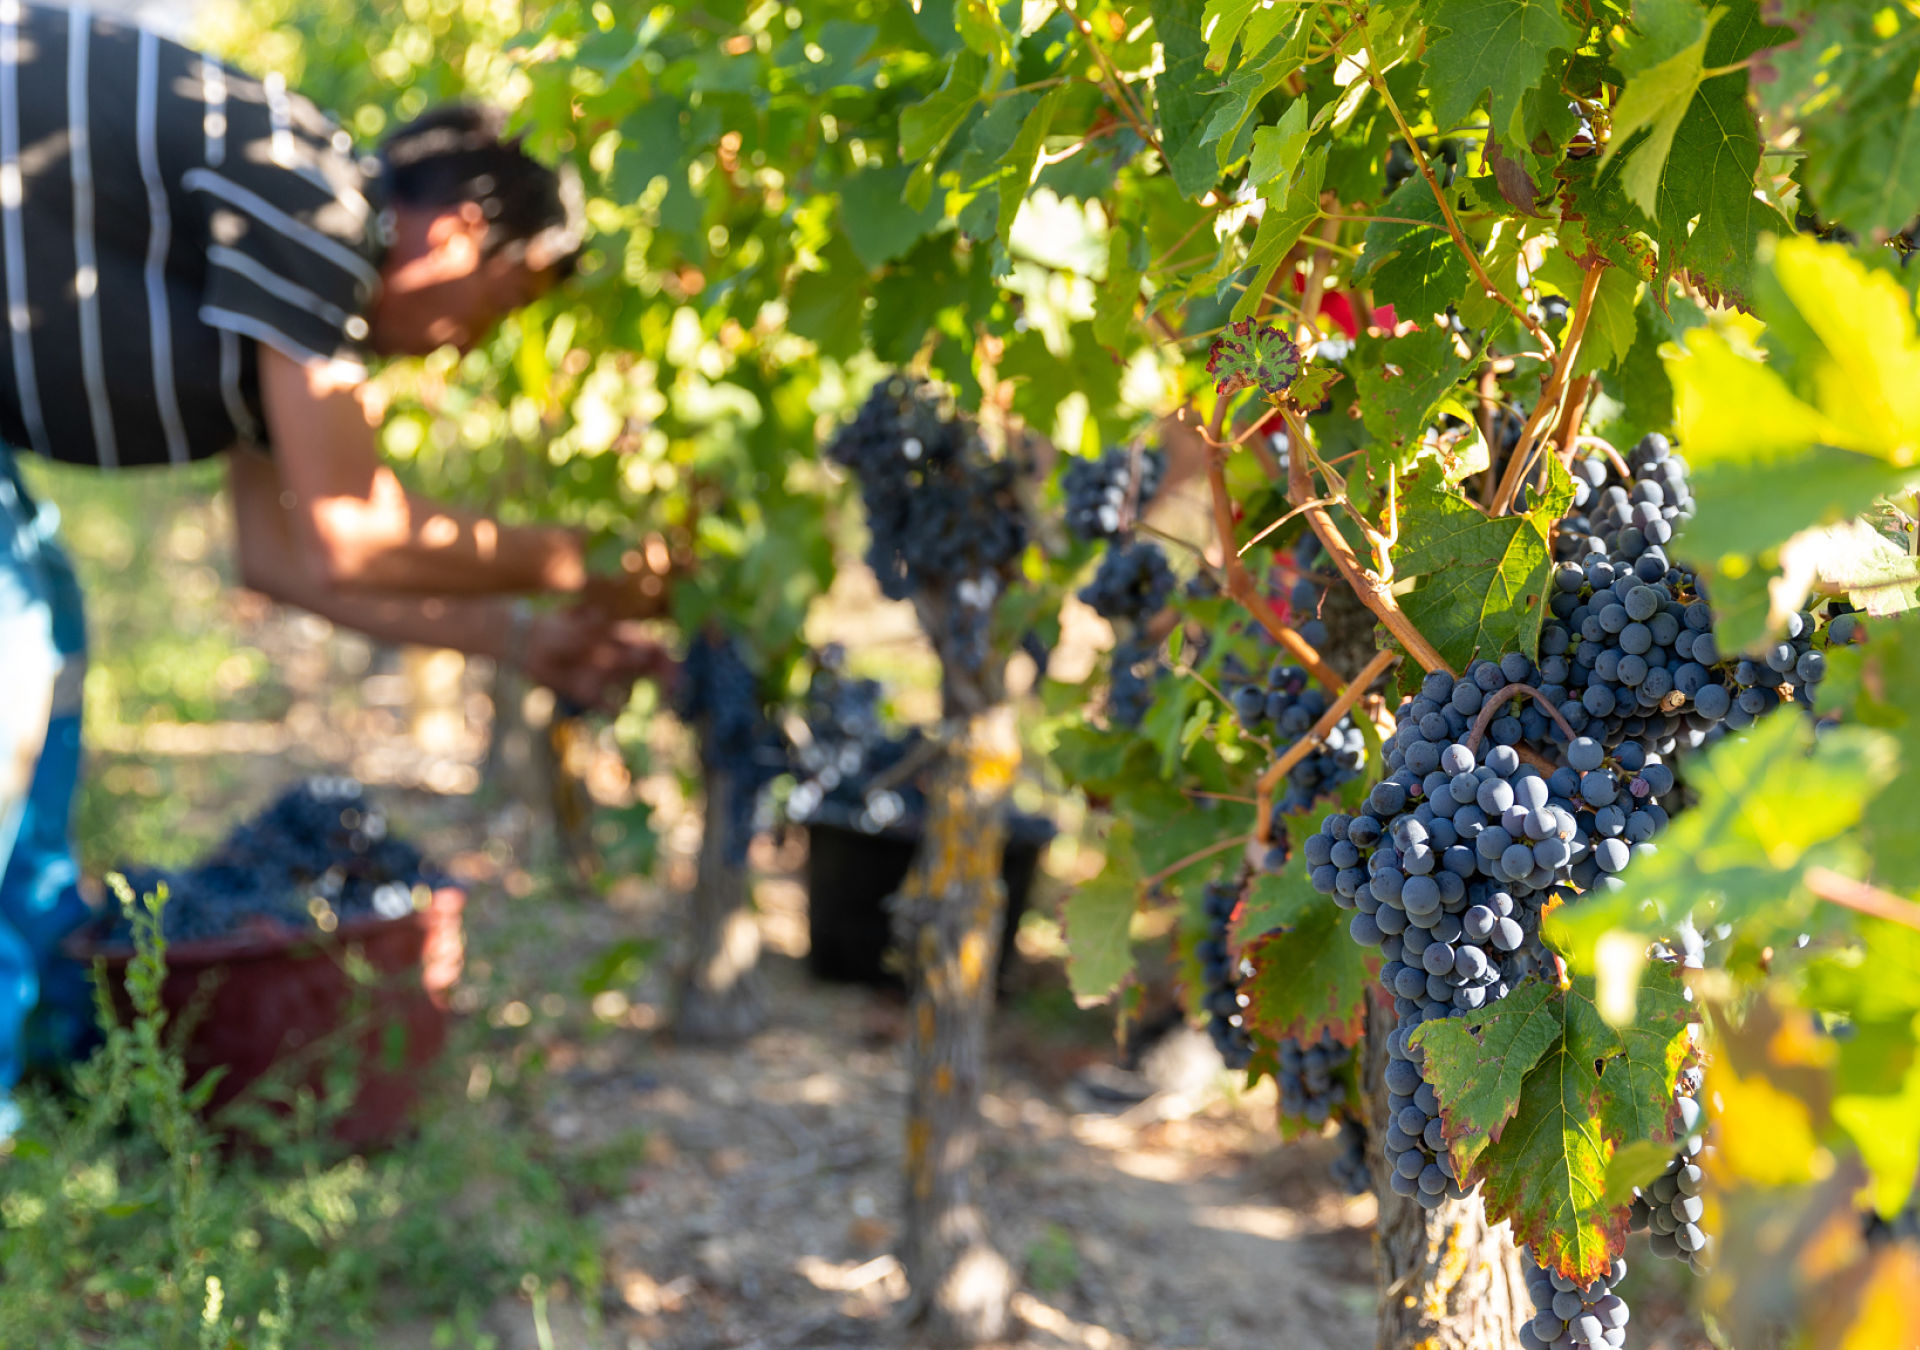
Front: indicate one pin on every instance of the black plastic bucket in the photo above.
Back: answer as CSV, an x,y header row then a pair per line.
x,y
850,874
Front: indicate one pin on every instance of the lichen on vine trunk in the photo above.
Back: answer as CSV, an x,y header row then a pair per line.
x,y
949,915
718,996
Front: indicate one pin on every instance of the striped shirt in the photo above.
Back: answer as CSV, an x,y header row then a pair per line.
x,y
160,215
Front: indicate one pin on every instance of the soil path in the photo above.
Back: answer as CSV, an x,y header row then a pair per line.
x,y
762,1213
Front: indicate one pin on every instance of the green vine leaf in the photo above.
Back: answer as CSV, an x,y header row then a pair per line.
x,y
1659,90
1497,46
1484,1060
1098,920
1312,386
1113,303
1399,383
1709,175
1183,93
1771,803
1413,267
1585,1091
1288,213
1483,581
1814,435
1227,129
927,126
1253,356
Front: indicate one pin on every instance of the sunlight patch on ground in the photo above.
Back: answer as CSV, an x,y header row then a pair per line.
x,y
1044,1317
1282,1225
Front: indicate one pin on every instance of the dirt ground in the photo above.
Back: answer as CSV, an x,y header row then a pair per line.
x,y
762,1212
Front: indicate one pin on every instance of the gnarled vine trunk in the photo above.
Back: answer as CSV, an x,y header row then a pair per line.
x,y
1448,1280
950,913
719,998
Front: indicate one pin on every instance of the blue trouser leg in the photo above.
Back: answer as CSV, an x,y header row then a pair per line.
x,y
45,1004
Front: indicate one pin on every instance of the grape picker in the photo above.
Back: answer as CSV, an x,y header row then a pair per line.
x,y
195,263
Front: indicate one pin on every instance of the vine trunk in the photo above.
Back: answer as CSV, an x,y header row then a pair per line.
x,y
719,998
950,912
1448,1279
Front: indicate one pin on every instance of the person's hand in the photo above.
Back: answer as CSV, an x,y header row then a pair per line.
x,y
591,660
641,588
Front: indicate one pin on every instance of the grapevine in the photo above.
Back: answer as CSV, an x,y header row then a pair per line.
x,y
941,511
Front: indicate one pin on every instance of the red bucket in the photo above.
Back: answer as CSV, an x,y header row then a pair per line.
x,y
255,999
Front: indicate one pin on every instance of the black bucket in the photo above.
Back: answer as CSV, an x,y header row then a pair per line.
x,y
850,874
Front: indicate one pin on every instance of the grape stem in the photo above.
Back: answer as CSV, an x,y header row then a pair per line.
x,y
1494,704
1606,448
1373,592
1300,749
1198,855
1568,431
1239,584
1862,898
1298,510
1551,396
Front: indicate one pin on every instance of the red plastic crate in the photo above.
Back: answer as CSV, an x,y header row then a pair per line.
x,y
252,1000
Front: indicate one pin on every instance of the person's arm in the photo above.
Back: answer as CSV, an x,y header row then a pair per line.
x,y
578,653
360,529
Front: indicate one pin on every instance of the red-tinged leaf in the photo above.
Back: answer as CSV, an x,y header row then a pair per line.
x,y
1309,975
1591,1091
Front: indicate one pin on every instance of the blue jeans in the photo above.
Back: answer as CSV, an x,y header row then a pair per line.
x,y
46,1006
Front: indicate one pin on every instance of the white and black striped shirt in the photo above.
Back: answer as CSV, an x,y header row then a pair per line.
x,y
160,214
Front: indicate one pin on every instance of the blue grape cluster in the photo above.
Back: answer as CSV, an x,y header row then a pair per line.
x,y
1310,1086
944,515
1571,1316
1451,860
1222,1002
719,693
1287,706
1136,668
1306,595
321,854
1669,1207
1904,1226
1627,519
1462,844
1350,1169
1133,582
847,749
1628,650
1132,585
1102,497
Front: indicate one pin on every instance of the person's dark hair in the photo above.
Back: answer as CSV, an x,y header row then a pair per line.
x,y
459,152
